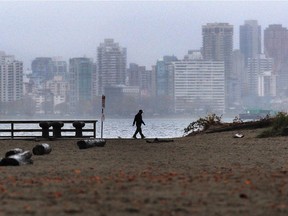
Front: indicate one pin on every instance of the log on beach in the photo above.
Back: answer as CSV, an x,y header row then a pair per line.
x,y
89,143
156,140
13,152
42,149
17,159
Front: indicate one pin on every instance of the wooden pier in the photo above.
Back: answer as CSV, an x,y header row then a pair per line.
x,y
47,128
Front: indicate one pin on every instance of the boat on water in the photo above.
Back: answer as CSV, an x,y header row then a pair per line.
x,y
256,114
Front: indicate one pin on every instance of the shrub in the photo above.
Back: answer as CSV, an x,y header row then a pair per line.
x,y
278,128
203,124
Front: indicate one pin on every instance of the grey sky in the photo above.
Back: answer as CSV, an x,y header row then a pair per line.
x,y
148,29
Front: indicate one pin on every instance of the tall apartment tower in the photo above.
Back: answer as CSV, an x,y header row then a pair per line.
x,y
199,85
164,76
59,66
45,68
42,68
81,71
257,67
250,39
11,78
111,64
218,46
276,45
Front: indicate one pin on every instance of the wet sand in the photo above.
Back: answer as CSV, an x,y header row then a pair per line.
x,y
207,174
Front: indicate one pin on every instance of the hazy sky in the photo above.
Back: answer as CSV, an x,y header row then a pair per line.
x,y
148,29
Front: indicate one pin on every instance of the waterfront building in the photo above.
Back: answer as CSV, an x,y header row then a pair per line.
x,y
276,45
42,69
218,46
43,99
11,78
240,78
250,39
139,76
134,74
111,65
59,67
193,55
81,71
266,84
164,77
258,67
199,85
59,87
164,84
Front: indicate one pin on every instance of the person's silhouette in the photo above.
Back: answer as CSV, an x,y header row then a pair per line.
x,y
138,120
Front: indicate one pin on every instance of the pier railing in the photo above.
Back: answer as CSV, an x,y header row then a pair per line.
x,y
47,128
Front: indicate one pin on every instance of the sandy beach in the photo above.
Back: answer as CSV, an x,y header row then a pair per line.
x,y
206,174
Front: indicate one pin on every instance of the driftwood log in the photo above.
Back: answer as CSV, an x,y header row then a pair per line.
x,y
13,152
42,149
264,123
156,140
88,143
17,159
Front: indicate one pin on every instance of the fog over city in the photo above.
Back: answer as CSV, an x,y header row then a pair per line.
x,y
148,29
166,57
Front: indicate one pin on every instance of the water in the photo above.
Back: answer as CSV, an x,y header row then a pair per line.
x,y
156,127
122,128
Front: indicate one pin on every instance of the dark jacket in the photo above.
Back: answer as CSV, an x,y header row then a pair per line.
x,y
138,119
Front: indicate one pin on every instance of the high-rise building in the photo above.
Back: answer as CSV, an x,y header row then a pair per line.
x,y
276,45
11,78
164,76
199,86
250,39
240,83
42,68
111,64
193,55
81,71
257,67
218,46
59,87
139,76
134,74
59,67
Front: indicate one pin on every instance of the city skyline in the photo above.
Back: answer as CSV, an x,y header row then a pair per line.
x,y
149,30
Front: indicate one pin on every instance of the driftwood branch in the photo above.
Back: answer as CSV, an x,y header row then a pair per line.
x,y
17,159
240,126
89,143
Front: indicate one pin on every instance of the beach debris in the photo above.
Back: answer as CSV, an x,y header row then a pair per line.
x,y
156,140
13,152
17,159
93,142
42,149
243,196
238,135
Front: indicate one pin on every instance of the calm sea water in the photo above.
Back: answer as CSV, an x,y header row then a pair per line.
x,y
122,128
160,128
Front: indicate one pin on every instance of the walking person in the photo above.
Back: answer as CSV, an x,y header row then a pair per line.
x,y
138,120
